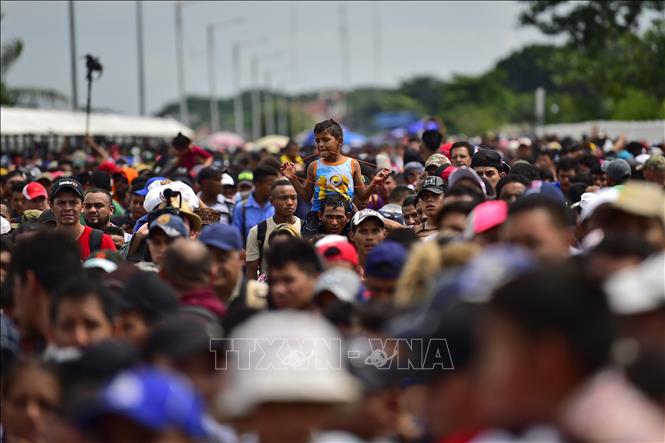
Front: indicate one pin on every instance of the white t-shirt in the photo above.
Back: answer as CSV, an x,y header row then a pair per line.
x,y
253,241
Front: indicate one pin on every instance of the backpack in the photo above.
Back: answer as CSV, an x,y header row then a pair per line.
x,y
95,240
261,230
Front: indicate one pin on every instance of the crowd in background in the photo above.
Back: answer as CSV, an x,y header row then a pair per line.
x,y
507,291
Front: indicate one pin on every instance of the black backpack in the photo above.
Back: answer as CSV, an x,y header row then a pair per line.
x,y
95,240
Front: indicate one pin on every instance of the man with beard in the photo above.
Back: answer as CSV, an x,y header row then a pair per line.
x,y
97,212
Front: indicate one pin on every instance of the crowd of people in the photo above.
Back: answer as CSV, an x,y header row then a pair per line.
x,y
425,290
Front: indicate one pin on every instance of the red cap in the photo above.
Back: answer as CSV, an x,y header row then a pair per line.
x,y
447,172
34,190
110,167
339,251
445,149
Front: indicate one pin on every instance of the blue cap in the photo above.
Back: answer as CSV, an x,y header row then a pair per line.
x,y
386,260
151,398
224,237
547,190
150,181
172,225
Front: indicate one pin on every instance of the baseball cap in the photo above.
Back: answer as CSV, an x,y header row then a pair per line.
x,y
31,214
437,160
246,176
464,172
486,216
414,166
617,169
152,398
150,181
105,259
341,250
47,216
433,184
638,290
642,199
313,374
590,201
655,161
66,183
172,225
546,189
34,190
227,180
343,283
386,260
363,215
489,158
223,237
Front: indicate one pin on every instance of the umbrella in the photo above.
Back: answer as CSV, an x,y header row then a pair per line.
x,y
271,143
221,141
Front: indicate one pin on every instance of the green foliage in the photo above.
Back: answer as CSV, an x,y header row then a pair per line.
x,y
607,68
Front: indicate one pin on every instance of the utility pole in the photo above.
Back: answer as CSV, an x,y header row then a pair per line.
x,y
141,64
256,99
214,110
269,105
212,71
180,60
72,50
238,113
282,110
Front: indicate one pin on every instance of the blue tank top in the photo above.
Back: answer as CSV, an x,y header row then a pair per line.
x,y
332,178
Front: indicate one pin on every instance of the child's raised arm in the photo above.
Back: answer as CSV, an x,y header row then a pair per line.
x,y
288,169
363,192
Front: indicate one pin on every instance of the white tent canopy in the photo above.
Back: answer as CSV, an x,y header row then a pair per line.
x,y
24,121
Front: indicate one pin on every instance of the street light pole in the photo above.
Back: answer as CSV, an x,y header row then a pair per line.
x,y
180,59
238,112
212,71
269,105
256,99
139,43
282,125
72,49
214,110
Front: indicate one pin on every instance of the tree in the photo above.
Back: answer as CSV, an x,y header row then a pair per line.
x,y
588,24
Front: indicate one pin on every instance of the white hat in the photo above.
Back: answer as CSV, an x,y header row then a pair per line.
x,y
639,289
227,180
285,356
590,201
155,195
5,226
363,215
344,283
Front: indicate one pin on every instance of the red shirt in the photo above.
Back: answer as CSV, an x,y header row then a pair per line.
x,y
84,243
189,159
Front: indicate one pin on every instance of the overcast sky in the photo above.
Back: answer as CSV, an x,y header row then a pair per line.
x,y
415,38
